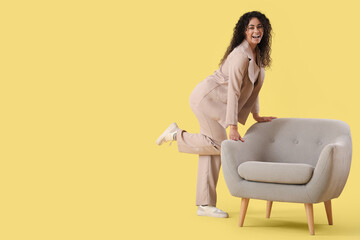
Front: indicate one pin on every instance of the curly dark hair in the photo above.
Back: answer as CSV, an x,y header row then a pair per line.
x,y
239,36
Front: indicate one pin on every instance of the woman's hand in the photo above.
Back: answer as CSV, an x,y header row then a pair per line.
x,y
262,119
234,133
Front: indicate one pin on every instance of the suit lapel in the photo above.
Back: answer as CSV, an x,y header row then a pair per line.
x,y
261,77
253,69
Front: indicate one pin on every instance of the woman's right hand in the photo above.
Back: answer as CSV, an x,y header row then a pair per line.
x,y
234,133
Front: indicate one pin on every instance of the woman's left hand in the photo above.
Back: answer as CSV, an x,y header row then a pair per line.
x,y
263,119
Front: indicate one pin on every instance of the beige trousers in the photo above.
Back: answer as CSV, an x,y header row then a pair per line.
x,y
207,144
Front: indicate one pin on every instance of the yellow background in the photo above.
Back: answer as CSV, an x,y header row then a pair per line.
x,y
88,86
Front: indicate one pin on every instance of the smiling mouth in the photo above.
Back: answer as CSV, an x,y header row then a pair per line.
x,y
256,37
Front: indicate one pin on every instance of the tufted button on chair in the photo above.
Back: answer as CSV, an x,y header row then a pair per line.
x,y
300,160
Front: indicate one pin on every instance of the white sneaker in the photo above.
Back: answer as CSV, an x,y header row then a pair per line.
x,y
168,134
211,211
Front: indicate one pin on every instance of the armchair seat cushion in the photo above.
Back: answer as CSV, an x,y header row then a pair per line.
x,y
275,172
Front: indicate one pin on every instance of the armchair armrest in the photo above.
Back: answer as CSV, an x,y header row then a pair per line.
x,y
331,171
233,153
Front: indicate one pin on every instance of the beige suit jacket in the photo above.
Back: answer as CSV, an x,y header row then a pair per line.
x,y
231,92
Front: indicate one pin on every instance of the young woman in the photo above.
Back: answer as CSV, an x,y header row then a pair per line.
x,y
222,100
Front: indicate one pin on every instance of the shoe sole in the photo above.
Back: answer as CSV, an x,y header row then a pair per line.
x,y
160,139
212,215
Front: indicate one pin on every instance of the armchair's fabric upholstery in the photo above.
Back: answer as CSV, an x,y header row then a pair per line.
x,y
324,144
271,172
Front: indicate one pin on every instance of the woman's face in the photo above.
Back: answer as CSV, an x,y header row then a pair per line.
x,y
254,32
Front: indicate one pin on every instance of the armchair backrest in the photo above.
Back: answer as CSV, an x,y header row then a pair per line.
x,y
295,140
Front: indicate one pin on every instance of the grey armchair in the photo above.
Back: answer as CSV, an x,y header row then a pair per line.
x,y
297,160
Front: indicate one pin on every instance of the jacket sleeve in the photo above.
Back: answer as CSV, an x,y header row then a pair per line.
x,y
237,69
255,108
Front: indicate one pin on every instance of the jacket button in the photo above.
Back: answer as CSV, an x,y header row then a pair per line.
x,y
296,141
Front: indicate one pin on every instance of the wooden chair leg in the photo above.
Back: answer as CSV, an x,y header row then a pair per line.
x,y
243,209
310,217
268,208
328,212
